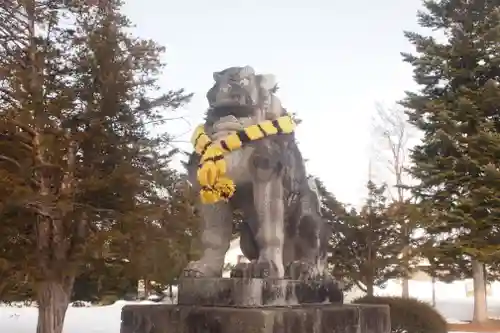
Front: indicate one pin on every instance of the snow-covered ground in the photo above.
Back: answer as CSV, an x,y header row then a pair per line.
x,y
102,319
451,301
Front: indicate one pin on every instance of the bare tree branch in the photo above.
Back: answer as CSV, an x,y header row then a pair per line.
x,y
392,136
392,139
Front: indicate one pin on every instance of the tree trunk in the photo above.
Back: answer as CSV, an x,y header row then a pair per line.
x,y
147,288
406,288
480,306
369,288
53,300
405,292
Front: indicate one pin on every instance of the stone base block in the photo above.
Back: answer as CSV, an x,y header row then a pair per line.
x,y
242,292
162,318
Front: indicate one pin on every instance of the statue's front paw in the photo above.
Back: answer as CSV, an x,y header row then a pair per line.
x,y
241,271
256,269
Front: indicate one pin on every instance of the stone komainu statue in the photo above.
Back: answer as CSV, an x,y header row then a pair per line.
x,y
246,158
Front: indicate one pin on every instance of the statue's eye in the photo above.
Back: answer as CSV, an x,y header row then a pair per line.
x,y
244,82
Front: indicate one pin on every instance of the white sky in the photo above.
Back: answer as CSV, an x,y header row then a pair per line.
x,y
333,61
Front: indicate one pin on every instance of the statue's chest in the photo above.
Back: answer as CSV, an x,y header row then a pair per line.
x,y
238,164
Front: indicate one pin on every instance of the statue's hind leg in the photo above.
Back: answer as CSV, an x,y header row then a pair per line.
x,y
307,250
215,239
310,255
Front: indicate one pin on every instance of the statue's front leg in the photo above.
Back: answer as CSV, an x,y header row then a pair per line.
x,y
268,198
269,208
215,238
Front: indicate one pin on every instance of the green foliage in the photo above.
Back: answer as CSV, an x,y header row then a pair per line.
x,y
103,277
365,245
336,215
331,209
160,249
83,178
409,315
458,162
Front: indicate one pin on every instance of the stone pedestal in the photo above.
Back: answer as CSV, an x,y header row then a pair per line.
x,y
255,306
236,292
162,318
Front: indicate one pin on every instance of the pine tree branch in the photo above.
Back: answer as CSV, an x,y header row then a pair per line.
x,y
11,161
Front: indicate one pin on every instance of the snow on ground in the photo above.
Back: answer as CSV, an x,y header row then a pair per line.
x,y
95,319
450,301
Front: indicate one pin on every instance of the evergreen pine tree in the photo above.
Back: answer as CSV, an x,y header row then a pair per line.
x,y
332,210
81,173
160,249
366,246
457,163
336,215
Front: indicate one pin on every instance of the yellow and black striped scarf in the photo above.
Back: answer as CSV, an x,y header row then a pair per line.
x,y
215,186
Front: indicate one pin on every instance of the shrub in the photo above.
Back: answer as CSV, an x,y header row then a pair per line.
x,y
409,315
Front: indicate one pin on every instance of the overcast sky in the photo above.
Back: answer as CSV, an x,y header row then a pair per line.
x,y
333,60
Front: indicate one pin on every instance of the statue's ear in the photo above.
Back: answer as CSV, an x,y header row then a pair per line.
x,y
247,70
267,81
217,76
